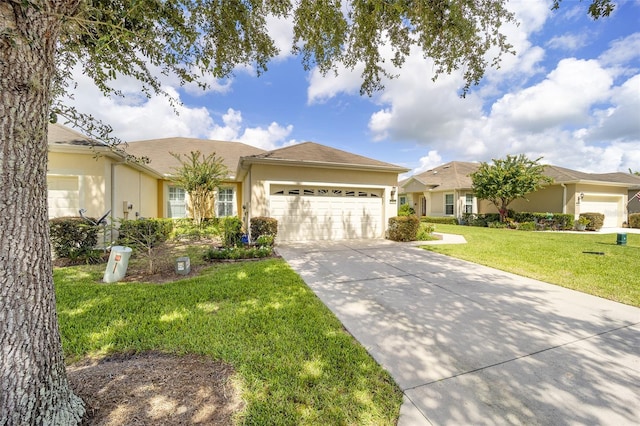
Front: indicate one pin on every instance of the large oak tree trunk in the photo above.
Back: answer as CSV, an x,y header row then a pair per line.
x,y
33,382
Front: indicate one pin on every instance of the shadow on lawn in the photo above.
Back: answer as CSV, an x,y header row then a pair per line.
x,y
295,361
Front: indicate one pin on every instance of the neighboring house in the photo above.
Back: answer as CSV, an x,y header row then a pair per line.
x,y
314,191
447,191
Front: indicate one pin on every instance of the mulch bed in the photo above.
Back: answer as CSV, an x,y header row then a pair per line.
x,y
155,389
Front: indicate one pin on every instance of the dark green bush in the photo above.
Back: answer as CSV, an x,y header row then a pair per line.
x,y
406,210
634,220
144,233
445,220
262,225
403,228
231,230
596,220
544,221
235,253
73,237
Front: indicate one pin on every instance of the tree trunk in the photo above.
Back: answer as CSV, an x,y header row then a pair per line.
x,y
33,382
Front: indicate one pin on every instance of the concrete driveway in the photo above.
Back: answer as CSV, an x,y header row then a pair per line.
x,y
469,344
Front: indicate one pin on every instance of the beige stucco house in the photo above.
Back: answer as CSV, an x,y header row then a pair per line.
x,y
314,191
446,190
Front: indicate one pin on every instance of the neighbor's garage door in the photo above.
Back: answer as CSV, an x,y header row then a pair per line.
x,y
326,213
611,207
64,196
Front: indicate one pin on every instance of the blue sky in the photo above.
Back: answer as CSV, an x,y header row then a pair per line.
x,y
571,95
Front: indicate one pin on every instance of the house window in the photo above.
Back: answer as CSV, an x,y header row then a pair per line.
x,y
403,200
177,207
468,203
448,204
225,202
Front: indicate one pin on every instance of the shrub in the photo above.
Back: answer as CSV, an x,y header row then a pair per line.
x,y
596,220
526,226
187,228
73,237
444,220
235,253
231,230
497,224
265,240
263,226
424,232
406,210
144,233
403,228
634,220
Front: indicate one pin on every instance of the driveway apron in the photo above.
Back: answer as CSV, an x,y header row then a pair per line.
x,y
469,344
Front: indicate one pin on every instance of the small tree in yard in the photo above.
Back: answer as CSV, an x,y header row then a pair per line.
x,y
200,178
507,180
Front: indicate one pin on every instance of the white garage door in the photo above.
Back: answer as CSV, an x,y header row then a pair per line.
x,y
307,213
64,196
611,207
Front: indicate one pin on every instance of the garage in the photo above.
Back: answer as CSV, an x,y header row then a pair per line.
x,y
63,196
610,206
326,213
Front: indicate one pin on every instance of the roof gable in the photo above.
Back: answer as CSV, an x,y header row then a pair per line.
x,y
58,134
159,151
449,176
311,152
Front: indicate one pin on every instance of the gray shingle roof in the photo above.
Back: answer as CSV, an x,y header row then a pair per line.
x,y
455,175
311,152
62,135
159,151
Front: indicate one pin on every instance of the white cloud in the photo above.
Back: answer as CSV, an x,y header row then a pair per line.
x,y
137,117
564,97
569,42
622,51
281,31
232,130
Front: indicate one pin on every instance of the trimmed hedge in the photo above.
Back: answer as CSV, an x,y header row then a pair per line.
x,y
73,236
596,220
634,220
262,225
403,228
542,221
444,220
144,233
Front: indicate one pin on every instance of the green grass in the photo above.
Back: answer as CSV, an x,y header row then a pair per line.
x,y
555,257
296,364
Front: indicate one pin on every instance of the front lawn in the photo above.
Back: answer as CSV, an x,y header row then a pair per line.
x,y
588,262
295,362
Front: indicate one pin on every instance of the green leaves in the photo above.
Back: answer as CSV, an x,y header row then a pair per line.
x,y
200,177
508,179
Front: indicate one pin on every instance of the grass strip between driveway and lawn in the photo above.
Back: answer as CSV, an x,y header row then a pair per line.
x,y
589,262
296,363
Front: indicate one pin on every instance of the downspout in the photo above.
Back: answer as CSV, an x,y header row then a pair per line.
x,y
564,198
113,185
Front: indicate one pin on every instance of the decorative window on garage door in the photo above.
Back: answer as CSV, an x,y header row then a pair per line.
x,y
318,191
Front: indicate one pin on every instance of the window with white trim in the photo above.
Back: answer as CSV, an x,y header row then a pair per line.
x,y
177,205
448,204
468,203
224,204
